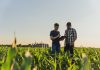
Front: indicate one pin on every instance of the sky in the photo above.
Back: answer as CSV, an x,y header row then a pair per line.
x,y
32,20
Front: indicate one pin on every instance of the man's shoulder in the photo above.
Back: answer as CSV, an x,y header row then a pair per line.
x,y
51,30
73,29
54,31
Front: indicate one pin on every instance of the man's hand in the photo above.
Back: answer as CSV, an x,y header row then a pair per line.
x,y
52,38
62,38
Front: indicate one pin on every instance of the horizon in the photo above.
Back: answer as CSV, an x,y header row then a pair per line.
x,y
33,20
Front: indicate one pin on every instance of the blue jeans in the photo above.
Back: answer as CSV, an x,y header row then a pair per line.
x,y
55,48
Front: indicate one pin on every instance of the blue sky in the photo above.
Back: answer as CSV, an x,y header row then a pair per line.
x,y
32,20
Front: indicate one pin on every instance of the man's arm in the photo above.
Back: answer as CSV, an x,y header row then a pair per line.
x,y
75,34
63,37
53,38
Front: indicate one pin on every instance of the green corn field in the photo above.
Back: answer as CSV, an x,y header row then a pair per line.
x,y
28,58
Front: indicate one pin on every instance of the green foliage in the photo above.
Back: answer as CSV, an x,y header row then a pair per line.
x,y
9,59
43,59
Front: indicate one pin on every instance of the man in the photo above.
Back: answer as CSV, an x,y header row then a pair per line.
x,y
55,36
70,38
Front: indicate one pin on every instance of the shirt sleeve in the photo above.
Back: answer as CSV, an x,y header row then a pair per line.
x,y
74,34
65,33
51,33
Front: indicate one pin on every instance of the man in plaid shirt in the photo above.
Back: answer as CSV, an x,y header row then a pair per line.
x,y
70,38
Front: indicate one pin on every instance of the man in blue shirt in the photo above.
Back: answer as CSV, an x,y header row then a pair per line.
x,y
55,37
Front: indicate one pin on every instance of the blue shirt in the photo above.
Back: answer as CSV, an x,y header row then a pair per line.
x,y
54,33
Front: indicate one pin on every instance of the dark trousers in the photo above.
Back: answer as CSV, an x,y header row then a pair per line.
x,y
55,48
69,48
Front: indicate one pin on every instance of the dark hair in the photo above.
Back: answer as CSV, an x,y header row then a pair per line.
x,y
68,23
56,24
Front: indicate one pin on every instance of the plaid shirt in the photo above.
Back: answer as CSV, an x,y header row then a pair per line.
x,y
71,36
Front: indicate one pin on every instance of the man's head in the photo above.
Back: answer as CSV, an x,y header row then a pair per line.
x,y
56,26
68,25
